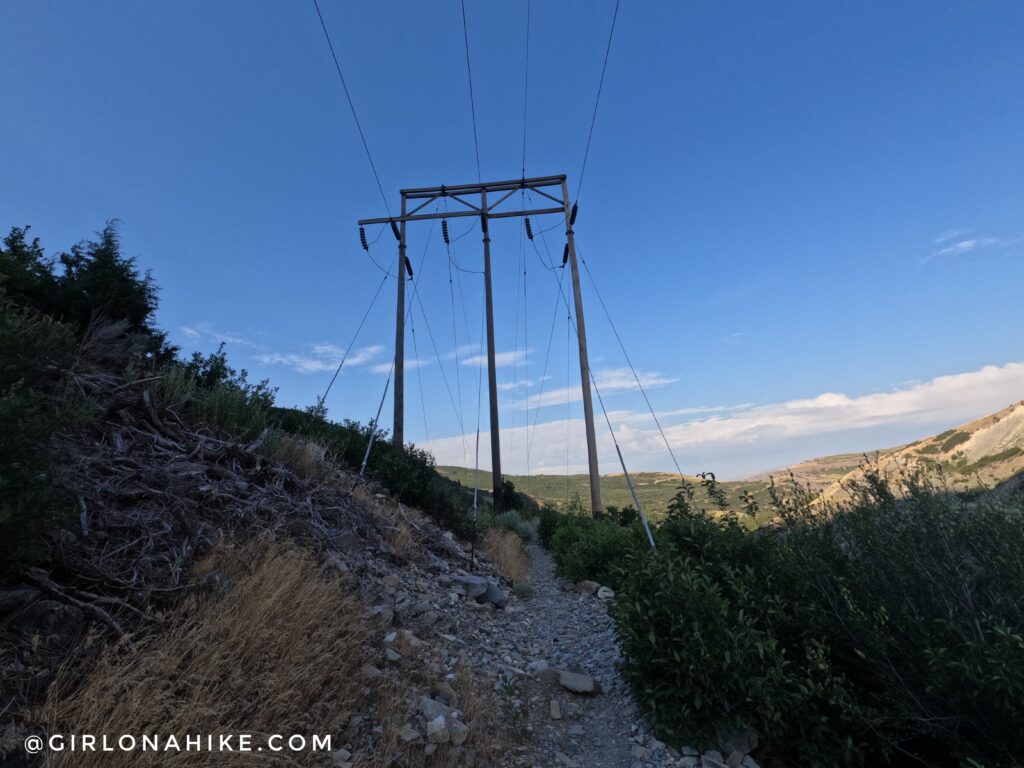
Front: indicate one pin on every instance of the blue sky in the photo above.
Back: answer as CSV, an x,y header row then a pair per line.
x,y
805,218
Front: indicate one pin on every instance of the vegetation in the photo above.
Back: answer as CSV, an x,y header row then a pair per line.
x,y
91,312
884,630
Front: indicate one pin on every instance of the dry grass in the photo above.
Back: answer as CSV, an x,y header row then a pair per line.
x,y
306,458
278,653
508,554
489,734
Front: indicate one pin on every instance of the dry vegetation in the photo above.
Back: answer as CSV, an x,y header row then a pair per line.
x,y
508,554
278,652
275,647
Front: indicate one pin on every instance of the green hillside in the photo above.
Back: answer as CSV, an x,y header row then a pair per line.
x,y
655,489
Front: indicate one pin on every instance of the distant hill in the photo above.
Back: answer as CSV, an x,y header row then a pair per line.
x,y
655,489
988,451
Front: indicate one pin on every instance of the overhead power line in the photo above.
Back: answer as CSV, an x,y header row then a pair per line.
x,y
597,101
472,101
352,106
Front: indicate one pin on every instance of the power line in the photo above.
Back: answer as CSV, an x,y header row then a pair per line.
x,y
526,82
348,349
629,362
352,106
597,100
472,102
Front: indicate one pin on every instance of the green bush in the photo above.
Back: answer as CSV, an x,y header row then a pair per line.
x,y
891,629
549,519
511,521
35,353
584,548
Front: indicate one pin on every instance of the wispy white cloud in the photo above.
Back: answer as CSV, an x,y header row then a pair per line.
x,y
743,439
501,359
199,333
410,364
609,381
320,357
960,243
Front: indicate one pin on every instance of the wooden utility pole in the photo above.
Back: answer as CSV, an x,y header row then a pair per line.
x,y
398,434
492,373
553,189
581,334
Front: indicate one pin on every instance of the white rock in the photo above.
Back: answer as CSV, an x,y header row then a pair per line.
x,y
579,683
437,731
340,757
606,593
408,733
459,732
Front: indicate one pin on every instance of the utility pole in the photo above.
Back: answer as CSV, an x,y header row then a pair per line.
x,y
398,434
492,373
581,329
554,190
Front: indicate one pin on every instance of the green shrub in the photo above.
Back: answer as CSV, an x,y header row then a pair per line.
x,y
549,521
584,548
35,353
511,521
888,630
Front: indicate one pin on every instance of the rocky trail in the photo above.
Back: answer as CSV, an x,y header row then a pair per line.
x,y
551,658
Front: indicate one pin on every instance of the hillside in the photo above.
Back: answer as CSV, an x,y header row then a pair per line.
x,y
985,452
988,451
655,489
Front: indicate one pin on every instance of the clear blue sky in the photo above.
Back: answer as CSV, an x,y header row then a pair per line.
x,y
801,214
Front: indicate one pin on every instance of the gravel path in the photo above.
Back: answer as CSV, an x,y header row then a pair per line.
x,y
573,631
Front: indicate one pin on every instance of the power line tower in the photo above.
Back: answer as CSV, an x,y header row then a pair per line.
x,y
472,200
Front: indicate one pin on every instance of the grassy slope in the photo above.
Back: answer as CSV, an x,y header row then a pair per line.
x,y
655,489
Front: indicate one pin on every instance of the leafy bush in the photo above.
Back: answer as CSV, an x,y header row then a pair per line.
x,y
35,352
511,521
585,548
891,628
549,521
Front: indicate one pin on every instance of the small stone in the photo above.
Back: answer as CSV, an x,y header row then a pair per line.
x,y
473,585
340,757
688,752
565,760
407,641
748,762
431,710
368,670
639,752
576,730
446,694
743,742
556,710
712,759
494,595
459,732
536,667
587,587
579,683
384,614
688,761
430,749
391,580
408,733
606,593
437,731
734,760
392,654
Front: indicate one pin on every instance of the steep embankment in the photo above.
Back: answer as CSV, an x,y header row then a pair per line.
x,y
985,452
